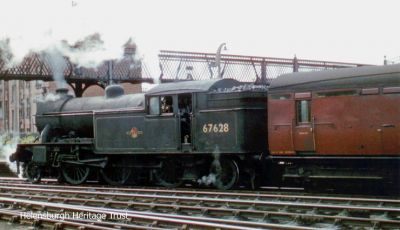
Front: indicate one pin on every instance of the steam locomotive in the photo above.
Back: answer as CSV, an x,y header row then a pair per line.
x,y
331,125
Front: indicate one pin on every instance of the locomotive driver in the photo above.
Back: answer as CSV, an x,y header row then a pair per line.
x,y
184,112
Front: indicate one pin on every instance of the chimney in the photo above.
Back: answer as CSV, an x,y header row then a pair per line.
x,y
63,93
129,48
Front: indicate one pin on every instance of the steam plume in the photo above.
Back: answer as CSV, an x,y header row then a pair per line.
x,y
57,64
211,178
7,147
88,52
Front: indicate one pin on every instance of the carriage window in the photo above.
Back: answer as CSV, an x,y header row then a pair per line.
x,y
166,104
303,111
280,96
338,93
370,91
388,90
154,108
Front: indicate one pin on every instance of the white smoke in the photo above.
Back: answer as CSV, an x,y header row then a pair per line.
x,y
57,64
211,178
5,53
88,52
207,180
47,97
7,147
73,29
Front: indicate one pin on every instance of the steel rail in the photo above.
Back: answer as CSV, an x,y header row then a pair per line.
x,y
204,200
213,211
218,194
187,221
15,216
237,213
287,206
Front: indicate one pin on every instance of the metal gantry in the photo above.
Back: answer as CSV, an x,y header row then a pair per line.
x,y
179,65
36,66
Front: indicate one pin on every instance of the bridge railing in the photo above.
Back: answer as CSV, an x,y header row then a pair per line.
x,y
178,65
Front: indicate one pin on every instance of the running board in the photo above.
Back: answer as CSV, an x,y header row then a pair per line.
x,y
99,162
334,177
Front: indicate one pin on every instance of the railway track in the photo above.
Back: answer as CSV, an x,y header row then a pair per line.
x,y
159,208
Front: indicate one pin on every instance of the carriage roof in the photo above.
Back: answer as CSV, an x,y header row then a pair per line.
x,y
367,76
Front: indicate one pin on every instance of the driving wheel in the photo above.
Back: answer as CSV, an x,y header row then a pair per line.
x,y
226,173
170,174
75,174
33,172
115,174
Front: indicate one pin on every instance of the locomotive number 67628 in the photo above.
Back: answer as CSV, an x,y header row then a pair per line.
x,y
216,128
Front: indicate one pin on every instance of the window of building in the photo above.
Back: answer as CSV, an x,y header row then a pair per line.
x,y
303,110
38,84
21,110
28,114
13,121
154,106
13,93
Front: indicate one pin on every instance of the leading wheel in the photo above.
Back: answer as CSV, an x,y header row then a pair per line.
x,y
33,172
116,174
226,173
75,174
170,174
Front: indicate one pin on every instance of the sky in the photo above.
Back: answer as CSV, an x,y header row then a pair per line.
x,y
346,31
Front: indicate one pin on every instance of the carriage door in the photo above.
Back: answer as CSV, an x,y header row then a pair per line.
x,y
303,128
185,116
389,130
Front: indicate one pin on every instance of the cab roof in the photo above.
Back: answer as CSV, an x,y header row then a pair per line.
x,y
192,86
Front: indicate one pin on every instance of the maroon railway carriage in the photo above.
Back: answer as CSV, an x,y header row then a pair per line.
x,y
337,124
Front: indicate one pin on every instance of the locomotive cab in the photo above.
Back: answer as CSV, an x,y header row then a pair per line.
x,y
207,115
176,111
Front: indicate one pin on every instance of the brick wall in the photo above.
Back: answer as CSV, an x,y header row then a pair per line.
x,y
96,90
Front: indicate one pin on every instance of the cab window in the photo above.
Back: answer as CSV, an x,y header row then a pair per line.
x,y
167,104
303,111
154,106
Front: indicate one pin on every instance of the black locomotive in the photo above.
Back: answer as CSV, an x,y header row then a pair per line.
x,y
194,131
319,128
